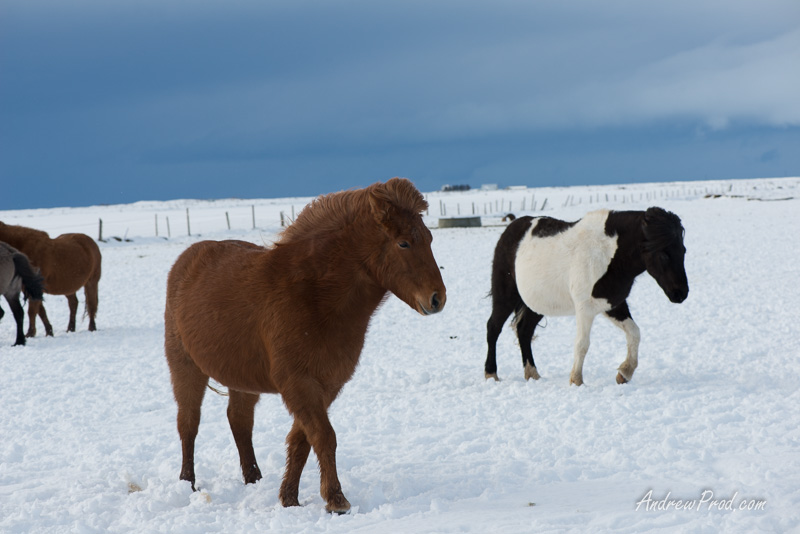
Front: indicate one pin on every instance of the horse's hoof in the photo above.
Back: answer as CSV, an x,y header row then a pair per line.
x,y
531,372
621,379
252,475
288,496
575,381
288,502
338,505
491,375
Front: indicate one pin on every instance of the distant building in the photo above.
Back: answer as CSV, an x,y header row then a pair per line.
x,y
459,187
489,187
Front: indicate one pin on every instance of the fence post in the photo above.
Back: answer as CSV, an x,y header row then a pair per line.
x,y
253,209
100,236
156,224
228,218
282,221
188,226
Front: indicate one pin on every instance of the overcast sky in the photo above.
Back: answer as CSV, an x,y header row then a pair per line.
x,y
107,101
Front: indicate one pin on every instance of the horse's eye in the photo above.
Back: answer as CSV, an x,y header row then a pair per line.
x,y
403,244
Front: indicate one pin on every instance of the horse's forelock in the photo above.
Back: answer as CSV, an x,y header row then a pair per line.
x,y
661,229
400,193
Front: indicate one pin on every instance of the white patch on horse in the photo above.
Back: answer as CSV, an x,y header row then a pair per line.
x,y
556,274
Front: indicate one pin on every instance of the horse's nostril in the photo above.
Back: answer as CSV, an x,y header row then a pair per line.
x,y
435,301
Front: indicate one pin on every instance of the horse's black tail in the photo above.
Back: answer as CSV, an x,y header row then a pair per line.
x,y
32,280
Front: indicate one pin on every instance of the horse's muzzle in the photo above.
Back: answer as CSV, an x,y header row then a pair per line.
x,y
435,304
678,295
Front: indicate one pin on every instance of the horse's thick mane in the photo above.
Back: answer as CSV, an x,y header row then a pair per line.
x,y
334,211
661,229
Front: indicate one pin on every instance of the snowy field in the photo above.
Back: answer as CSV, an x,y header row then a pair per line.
x,y
88,442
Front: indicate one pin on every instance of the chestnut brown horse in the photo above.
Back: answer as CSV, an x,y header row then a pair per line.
x,y
68,262
291,319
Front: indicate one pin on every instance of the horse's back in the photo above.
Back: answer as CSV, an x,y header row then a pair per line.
x,y
558,263
72,261
212,311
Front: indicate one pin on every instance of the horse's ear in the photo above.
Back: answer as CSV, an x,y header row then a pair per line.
x,y
653,213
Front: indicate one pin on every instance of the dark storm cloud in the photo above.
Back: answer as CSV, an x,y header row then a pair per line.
x,y
161,99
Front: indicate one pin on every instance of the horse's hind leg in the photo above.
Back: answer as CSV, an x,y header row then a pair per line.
x,y
526,321
72,300
19,317
297,449
621,318
501,309
90,290
241,409
189,386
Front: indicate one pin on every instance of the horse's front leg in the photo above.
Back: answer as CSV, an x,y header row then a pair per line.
x,y
297,449
584,320
307,403
48,328
621,318
33,310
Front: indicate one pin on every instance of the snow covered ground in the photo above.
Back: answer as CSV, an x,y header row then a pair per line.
x,y
87,432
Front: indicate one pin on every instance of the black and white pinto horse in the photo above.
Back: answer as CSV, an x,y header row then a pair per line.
x,y
544,266
16,274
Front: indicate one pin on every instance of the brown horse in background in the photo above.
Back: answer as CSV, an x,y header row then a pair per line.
x,y
68,262
292,319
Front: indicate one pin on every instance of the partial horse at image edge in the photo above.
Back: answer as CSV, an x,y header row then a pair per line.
x,y
67,263
545,266
17,275
291,320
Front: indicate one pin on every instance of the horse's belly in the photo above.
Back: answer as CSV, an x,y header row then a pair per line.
x,y
546,299
542,276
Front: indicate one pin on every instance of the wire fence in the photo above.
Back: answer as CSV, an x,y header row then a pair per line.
x,y
177,218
